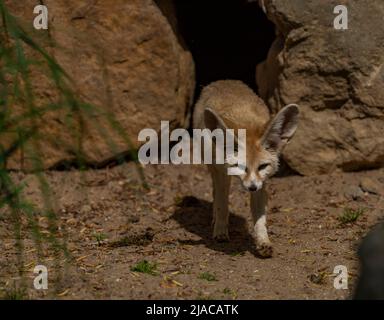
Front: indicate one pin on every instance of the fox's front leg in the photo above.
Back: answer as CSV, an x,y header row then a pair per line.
x,y
259,201
221,184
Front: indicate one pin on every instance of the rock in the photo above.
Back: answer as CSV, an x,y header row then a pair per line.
x,y
124,57
370,285
138,236
85,209
133,218
335,76
354,193
336,202
371,186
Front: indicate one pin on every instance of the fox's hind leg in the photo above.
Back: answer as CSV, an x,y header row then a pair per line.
x,y
221,184
259,201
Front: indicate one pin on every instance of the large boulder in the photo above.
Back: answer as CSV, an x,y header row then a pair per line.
x,y
370,285
124,57
336,77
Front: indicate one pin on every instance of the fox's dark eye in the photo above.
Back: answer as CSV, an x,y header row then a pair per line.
x,y
263,166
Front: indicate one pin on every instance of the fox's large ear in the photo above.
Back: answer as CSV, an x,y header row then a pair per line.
x,y
213,120
282,128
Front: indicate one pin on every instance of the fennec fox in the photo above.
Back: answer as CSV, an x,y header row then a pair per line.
x,y
230,104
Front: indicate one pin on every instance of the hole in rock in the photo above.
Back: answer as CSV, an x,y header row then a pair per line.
x,y
227,38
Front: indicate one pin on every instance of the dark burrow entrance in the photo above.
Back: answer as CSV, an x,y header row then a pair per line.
x,y
227,38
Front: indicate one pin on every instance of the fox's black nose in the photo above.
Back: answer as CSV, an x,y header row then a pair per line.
x,y
252,188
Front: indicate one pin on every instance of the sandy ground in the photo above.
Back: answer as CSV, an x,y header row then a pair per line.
x,y
110,223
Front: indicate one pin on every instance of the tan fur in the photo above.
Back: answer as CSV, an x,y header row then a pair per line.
x,y
235,106
236,103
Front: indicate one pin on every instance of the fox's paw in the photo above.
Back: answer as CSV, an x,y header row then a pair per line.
x,y
221,235
221,238
264,249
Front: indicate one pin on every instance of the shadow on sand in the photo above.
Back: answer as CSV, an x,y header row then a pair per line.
x,y
195,215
